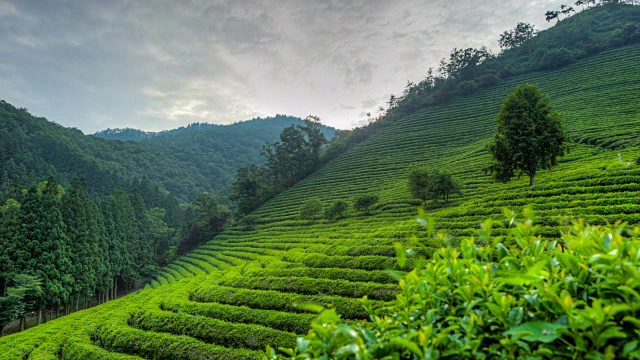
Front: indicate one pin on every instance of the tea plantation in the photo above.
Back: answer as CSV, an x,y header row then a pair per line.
x,y
239,293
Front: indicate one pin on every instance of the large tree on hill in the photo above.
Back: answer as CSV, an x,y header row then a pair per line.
x,y
530,135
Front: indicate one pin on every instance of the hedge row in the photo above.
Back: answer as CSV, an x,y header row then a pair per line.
x,y
84,351
376,276
162,346
210,330
273,300
311,286
285,321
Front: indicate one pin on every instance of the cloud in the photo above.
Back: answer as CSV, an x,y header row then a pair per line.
x,y
161,64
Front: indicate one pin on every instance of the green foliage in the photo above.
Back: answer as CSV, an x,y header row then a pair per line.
x,y
285,321
426,183
311,209
518,36
589,183
508,296
296,155
310,286
215,331
15,303
365,203
337,210
205,158
530,135
557,58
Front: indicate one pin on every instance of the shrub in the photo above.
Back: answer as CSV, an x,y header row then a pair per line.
x,y
517,296
365,203
311,209
336,211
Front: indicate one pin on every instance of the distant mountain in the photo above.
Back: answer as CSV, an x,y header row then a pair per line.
x,y
184,161
140,135
212,130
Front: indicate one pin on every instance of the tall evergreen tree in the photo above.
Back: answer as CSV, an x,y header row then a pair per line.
x,y
44,247
78,216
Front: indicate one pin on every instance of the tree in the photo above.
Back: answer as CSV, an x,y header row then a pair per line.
x,y
336,211
431,184
15,304
311,209
365,203
249,189
517,36
204,219
420,183
44,249
463,62
83,243
530,135
443,185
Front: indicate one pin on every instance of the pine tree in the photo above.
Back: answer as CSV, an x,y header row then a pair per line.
x,y
44,250
77,216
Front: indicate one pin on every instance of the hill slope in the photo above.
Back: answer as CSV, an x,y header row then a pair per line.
x,y
233,296
184,162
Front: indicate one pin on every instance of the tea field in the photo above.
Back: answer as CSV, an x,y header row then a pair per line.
x,y
237,294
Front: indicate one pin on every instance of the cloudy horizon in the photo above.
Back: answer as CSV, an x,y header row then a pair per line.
x,y
157,65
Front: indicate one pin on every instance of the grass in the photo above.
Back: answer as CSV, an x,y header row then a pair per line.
x,y
241,291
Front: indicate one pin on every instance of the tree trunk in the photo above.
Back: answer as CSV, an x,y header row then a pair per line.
x,y
39,321
22,324
532,182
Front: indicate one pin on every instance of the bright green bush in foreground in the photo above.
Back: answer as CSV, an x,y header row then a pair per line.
x,y
509,297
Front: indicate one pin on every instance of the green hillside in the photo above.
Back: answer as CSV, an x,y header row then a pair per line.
x,y
184,161
234,296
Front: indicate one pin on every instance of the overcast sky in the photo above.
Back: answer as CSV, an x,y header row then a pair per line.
x,y
156,64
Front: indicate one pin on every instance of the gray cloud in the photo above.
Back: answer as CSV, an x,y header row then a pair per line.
x,y
160,64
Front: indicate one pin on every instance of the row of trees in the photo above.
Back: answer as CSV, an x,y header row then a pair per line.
x,y
313,209
296,155
523,49
567,10
61,249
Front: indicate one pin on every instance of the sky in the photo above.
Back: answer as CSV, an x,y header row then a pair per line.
x,y
158,64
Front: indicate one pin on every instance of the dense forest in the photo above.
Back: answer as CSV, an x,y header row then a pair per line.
x,y
80,249
185,162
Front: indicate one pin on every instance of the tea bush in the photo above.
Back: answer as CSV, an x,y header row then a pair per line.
x,y
511,297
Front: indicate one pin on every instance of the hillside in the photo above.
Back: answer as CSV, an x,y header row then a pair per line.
x,y
185,161
235,295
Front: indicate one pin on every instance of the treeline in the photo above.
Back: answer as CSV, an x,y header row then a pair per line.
x,y
185,161
61,249
296,155
606,25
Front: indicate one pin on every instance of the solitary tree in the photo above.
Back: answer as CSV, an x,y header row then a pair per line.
x,y
530,135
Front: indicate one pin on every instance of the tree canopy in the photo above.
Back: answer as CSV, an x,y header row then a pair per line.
x,y
530,135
